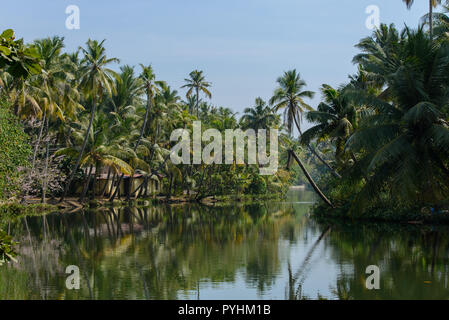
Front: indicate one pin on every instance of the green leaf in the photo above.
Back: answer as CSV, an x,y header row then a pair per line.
x,y
7,34
5,50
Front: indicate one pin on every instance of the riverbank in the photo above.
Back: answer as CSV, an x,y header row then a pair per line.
x,y
424,215
33,205
10,211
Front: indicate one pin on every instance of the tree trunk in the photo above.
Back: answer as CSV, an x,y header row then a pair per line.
x,y
142,131
197,102
309,178
94,183
78,161
39,137
45,178
431,19
86,184
169,187
146,186
130,188
332,170
106,183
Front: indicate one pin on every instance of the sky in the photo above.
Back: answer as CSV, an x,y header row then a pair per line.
x,y
242,46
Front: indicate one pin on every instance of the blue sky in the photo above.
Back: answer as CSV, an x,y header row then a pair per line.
x,y
242,45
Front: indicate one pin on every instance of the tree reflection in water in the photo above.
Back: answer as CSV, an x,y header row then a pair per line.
x,y
272,250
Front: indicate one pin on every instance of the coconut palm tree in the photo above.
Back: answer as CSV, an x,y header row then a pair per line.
x,y
404,142
335,119
260,116
432,4
128,90
102,150
197,82
148,85
290,97
56,94
95,80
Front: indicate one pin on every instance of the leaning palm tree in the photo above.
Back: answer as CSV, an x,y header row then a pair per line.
x,y
96,78
290,97
198,83
432,4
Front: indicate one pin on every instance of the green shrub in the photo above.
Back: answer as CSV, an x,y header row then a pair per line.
x,y
7,253
257,185
14,151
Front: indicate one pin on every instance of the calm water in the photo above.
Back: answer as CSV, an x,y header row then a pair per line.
x,y
269,251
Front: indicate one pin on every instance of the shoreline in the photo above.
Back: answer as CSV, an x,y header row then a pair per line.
x,y
52,205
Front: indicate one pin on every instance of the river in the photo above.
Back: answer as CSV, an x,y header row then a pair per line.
x,y
273,250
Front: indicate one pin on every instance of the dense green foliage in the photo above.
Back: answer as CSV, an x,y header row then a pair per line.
x,y
381,140
86,119
390,125
7,253
14,151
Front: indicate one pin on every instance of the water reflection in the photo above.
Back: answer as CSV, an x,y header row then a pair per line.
x,y
259,251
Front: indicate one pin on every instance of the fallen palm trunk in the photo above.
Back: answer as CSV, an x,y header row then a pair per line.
x,y
309,178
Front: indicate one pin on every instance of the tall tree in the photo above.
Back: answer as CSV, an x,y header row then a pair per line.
x,y
96,79
128,91
197,82
147,78
432,4
289,96
404,142
335,119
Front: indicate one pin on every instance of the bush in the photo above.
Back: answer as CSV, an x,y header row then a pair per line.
x,y
14,151
7,253
257,185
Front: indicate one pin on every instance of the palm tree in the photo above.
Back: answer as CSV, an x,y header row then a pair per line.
x,y
432,4
56,94
149,85
96,78
102,150
198,83
404,142
335,119
441,27
147,78
128,90
191,103
290,97
259,117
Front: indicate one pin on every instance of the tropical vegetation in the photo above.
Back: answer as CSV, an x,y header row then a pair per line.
x,y
380,140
